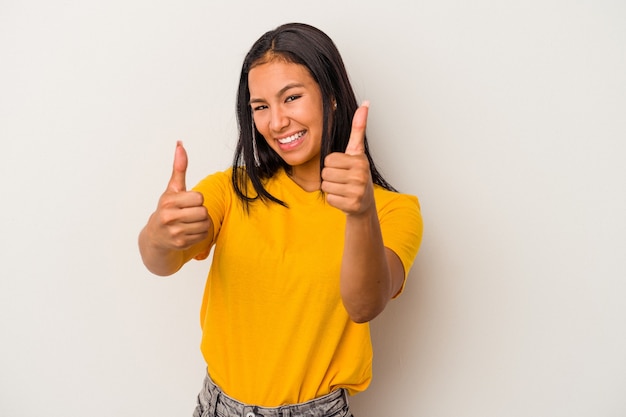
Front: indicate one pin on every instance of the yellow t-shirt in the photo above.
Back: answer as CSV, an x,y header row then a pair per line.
x,y
274,328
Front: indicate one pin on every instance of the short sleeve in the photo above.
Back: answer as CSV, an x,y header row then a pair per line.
x,y
217,192
401,226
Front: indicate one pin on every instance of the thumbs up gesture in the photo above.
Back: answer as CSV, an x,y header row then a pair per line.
x,y
180,219
346,177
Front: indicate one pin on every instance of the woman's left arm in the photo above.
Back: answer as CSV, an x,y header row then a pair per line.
x,y
371,274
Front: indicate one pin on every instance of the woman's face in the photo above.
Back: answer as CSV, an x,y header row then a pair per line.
x,y
287,109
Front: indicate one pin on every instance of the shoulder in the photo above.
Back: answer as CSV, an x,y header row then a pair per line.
x,y
399,213
389,200
220,179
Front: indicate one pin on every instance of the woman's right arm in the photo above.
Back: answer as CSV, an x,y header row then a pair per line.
x,y
180,228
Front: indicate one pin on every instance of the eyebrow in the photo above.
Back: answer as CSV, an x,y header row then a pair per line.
x,y
280,92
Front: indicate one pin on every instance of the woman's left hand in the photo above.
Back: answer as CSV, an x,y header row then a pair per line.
x,y
346,177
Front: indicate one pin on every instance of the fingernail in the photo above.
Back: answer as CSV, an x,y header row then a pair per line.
x,y
366,103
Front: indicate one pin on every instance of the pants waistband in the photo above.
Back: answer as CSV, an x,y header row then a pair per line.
x,y
328,405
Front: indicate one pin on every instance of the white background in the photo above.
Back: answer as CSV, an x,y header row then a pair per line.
x,y
507,119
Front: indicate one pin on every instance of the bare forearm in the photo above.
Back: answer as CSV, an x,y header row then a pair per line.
x,y
159,261
366,279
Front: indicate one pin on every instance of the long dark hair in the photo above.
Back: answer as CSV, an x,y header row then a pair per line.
x,y
308,46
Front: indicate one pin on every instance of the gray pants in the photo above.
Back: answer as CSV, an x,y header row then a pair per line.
x,y
212,402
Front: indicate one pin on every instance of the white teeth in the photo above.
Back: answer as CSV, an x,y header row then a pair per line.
x,y
291,138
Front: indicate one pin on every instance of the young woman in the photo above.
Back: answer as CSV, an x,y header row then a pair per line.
x,y
310,242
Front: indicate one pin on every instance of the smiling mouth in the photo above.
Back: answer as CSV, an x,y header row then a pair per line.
x,y
291,138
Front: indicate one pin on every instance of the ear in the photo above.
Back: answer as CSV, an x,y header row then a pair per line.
x,y
333,103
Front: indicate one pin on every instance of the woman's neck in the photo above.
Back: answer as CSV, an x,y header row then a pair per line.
x,y
307,178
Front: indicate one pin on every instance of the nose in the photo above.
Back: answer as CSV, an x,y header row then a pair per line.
x,y
279,119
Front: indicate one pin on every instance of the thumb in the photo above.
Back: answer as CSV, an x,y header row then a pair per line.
x,y
356,143
177,181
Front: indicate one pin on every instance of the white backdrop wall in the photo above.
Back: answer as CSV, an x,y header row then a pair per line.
x,y
507,119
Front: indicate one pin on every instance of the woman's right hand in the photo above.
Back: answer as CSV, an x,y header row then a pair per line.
x,y
179,222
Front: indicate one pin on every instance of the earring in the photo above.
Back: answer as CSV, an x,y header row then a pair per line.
x,y
334,105
255,152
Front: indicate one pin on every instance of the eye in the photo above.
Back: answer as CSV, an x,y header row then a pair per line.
x,y
259,107
292,98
